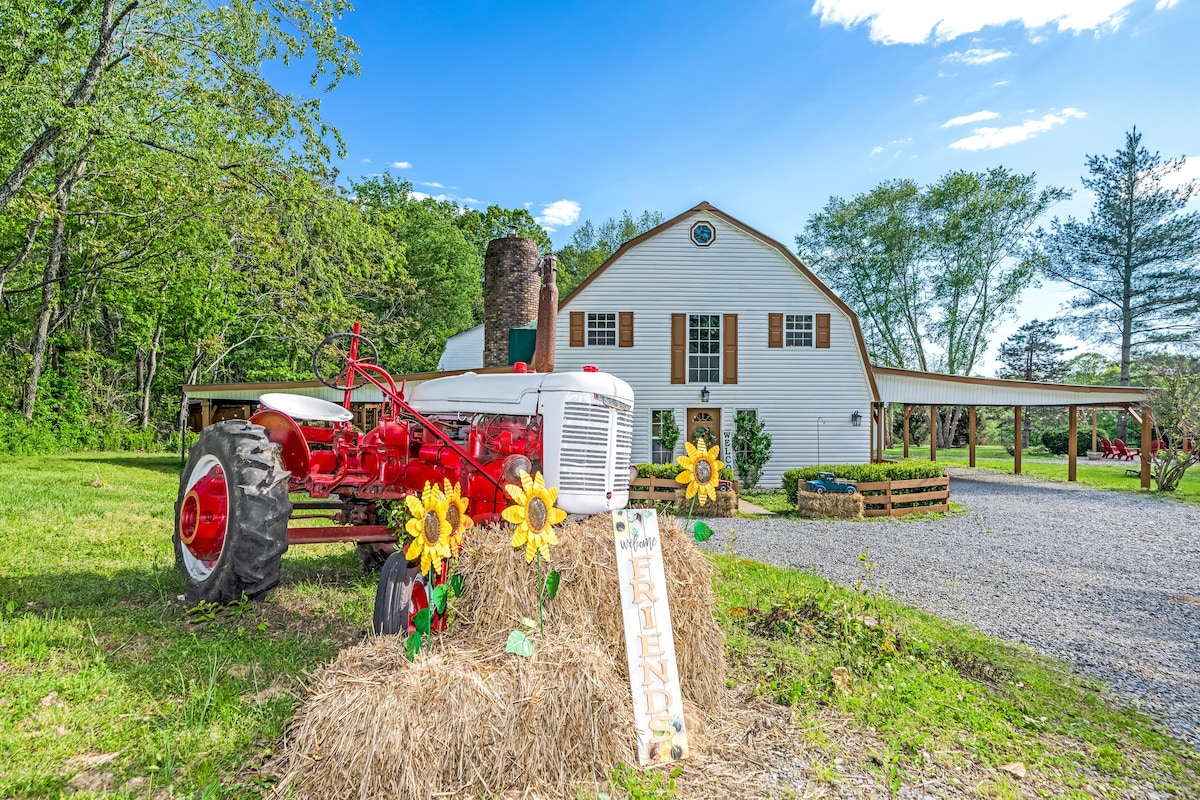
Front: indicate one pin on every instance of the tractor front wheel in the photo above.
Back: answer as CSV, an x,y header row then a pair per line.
x,y
232,513
401,594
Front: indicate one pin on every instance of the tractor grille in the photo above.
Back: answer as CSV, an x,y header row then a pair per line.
x,y
584,463
624,447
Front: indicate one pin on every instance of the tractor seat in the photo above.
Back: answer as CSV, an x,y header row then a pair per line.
x,y
297,406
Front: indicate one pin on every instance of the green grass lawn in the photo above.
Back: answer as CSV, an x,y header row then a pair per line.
x,y
981,451
110,685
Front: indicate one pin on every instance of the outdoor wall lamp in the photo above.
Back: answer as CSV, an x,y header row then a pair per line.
x,y
856,419
704,395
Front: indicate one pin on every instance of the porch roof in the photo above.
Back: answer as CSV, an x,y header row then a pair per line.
x,y
930,388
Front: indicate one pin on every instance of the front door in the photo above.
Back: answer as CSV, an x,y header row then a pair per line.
x,y
706,423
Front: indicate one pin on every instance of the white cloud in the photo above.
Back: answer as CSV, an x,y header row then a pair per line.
x,y
432,184
920,99
999,83
401,165
978,55
528,204
991,138
1190,171
470,200
366,161
901,141
967,119
920,21
558,214
1162,4
876,151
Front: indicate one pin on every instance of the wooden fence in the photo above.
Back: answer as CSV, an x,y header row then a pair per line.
x,y
896,498
646,491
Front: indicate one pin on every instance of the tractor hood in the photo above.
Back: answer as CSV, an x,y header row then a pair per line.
x,y
514,394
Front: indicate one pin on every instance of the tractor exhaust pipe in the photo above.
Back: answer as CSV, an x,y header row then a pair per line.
x,y
547,316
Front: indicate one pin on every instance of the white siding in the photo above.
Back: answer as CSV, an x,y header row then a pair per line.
x,y
463,350
792,388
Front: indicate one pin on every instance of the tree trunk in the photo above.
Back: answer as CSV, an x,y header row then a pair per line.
x,y
41,331
151,369
947,423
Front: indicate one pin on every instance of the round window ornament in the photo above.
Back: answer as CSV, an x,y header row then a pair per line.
x,y
703,233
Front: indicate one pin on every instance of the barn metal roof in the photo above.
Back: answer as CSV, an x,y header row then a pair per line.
x,y
931,388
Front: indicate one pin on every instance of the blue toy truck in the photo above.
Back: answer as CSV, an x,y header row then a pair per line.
x,y
826,482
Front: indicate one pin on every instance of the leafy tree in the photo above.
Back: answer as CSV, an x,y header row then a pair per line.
x,y
1135,261
1176,406
930,272
592,245
481,227
1032,354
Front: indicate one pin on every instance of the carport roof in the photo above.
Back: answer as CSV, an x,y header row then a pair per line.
x,y
931,388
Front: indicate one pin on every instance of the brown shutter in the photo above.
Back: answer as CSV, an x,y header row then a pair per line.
x,y
774,330
730,346
625,329
678,348
576,329
822,330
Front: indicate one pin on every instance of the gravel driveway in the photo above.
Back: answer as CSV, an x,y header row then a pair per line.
x,y
1109,582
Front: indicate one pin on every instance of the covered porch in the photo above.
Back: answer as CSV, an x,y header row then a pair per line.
x,y
910,389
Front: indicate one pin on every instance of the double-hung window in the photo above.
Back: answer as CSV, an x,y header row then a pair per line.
x,y
659,453
601,330
798,330
704,348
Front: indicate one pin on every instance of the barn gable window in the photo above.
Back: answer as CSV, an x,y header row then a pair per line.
x,y
704,348
798,330
601,330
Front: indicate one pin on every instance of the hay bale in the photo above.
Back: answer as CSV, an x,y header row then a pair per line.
x,y
466,719
830,504
726,505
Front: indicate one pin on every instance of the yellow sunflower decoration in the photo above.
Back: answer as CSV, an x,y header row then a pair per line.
x,y
429,528
534,515
456,515
701,471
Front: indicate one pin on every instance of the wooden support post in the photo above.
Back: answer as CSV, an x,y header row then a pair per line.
x,y
1072,443
871,435
1147,434
205,413
882,423
1017,434
907,411
971,437
933,420
1095,446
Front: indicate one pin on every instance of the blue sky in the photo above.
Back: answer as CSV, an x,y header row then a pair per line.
x,y
579,111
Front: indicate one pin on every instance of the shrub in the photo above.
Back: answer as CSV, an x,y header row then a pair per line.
x,y
912,469
752,444
671,470
1056,440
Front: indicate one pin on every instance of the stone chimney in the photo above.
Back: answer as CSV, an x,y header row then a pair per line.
x,y
511,281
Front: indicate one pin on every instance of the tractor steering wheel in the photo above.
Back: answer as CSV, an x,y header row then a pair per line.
x,y
331,360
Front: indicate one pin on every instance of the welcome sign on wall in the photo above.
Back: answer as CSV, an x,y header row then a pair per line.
x,y
649,641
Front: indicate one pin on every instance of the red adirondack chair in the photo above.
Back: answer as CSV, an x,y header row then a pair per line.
x,y
1121,451
1107,448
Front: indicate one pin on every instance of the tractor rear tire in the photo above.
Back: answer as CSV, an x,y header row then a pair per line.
x,y
252,507
400,583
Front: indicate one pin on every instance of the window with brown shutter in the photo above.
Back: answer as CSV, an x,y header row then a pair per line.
x,y
774,330
730,349
822,330
678,348
576,329
625,329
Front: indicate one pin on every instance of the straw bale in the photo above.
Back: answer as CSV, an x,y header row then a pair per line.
x,y
466,719
830,504
726,505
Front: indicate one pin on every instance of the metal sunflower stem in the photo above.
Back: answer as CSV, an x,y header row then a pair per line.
x,y
541,594
690,510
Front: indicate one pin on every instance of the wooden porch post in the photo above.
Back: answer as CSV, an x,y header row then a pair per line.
x,y
933,433
971,437
882,421
1094,443
1017,433
1147,428
907,411
205,413
871,433
1072,442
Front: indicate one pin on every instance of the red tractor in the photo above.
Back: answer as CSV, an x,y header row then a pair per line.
x,y
479,432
